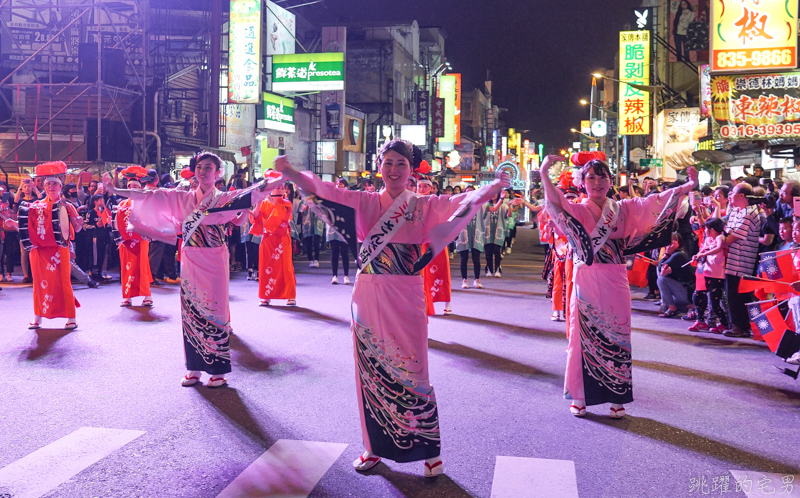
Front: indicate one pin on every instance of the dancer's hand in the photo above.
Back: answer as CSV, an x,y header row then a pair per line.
x,y
505,179
548,161
694,176
282,164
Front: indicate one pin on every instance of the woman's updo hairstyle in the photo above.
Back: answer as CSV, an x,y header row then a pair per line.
x,y
402,147
587,162
202,156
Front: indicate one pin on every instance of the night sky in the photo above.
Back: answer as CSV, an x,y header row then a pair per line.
x,y
540,52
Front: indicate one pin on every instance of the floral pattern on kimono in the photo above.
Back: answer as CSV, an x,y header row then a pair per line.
x,y
599,318
397,403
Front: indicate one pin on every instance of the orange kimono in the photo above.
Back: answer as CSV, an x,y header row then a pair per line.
x,y
436,279
275,269
41,225
133,255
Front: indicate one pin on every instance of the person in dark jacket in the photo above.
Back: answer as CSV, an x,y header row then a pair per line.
x,y
675,279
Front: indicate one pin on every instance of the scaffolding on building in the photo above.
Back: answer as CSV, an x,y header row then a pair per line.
x,y
67,66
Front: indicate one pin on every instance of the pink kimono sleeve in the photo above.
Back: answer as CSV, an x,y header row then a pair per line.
x,y
437,210
367,205
158,214
640,214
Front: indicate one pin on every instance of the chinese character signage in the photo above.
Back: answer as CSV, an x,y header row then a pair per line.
x,y
756,107
676,137
278,114
752,35
438,117
457,110
280,30
334,39
240,130
244,56
447,91
634,67
308,72
422,107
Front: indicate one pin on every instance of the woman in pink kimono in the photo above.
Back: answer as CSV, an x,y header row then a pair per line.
x,y
397,404
199,216
601,232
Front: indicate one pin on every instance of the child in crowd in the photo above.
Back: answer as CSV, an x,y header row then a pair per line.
x,y
785,233
711,260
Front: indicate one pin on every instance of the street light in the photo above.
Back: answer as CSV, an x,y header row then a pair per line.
x,y
610,113
644,88
573,130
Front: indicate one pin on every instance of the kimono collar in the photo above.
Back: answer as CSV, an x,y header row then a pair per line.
x,y
200,196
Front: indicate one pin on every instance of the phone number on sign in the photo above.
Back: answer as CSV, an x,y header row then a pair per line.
x,y
754,58
770,130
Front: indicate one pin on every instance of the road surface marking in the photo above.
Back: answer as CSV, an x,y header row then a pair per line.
x,y
46,468
754,484
516,477
289,469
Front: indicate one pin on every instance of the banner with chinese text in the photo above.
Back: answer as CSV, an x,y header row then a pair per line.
x,y
634,67
244,52
756,107
438,117
308,72
750,35
422,107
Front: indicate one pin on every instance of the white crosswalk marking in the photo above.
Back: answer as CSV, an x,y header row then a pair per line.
x,y
47,468
289,469
754,484
516,477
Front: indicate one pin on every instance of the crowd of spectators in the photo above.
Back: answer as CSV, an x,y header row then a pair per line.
x,y
720,233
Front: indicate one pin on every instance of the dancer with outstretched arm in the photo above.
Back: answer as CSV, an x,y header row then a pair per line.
x,y
397,403
199,216
601,232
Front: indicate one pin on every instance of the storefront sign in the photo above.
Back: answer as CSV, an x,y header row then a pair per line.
x,y
643,18
457,111
705,90
278,114
244,52
678,132
634,66
334,39
240,130
326,151
447,91
752,35
308,72
438,117
422,107
757,107
599,128
414,134
280,30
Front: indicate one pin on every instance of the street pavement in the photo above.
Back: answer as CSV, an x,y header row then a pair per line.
x,y
99,411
